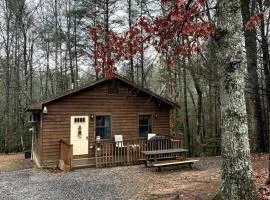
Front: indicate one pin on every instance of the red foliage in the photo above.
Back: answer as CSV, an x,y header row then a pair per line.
x,y
254,21
182,21
201,2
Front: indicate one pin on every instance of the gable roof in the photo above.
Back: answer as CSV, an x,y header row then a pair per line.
x,y
39,105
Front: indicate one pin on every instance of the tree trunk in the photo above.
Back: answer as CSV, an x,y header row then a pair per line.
x,y
130,48
75,24
266,66
107,27
69,47
237,179
47,68
7,111
56,46
253,102
142,51
199,132
186,118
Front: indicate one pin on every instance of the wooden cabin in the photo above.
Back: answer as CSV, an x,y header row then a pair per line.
x,y
80,125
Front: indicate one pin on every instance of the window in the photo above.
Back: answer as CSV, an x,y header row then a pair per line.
x,y
112,87
33,117
145,125
103,126
79,120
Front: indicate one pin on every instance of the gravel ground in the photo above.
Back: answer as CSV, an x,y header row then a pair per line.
x,y
131,182
108,183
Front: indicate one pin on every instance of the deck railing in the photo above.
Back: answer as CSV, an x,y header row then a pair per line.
x,y
66,153
129,152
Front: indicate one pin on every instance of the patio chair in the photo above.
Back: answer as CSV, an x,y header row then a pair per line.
x,y
150,135
119,141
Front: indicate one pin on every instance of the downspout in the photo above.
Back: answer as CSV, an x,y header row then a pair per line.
x,y
32,145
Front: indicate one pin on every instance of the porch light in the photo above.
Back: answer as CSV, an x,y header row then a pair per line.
x,y
156,116
45,110
92,116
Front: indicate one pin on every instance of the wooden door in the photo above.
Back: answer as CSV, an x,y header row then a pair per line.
x,y
79,130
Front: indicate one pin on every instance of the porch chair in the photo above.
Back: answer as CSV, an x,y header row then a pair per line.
x,y
150,135
119,141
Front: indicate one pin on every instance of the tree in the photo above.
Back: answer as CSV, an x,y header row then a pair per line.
x,y
182,19
253,102
237,180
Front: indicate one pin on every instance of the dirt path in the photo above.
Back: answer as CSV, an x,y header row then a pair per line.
x,y
200,183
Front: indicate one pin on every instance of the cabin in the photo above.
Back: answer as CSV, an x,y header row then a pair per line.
x,y
81,126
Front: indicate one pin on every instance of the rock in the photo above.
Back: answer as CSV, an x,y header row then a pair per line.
x,y
63,167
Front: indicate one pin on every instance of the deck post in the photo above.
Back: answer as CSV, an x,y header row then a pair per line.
x,y
128,153
66,154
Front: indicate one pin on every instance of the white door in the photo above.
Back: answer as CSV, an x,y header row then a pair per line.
x,y
79,128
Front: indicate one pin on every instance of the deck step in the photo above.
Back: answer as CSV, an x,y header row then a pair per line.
x,y
83,166
76,159
83,163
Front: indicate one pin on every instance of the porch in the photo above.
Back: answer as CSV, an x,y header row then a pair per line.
x,y
108,153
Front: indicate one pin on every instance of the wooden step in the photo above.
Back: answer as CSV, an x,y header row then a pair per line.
x,y
76,159
83,166
80,156
83,163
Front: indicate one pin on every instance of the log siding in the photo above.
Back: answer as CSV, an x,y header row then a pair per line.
x,y
123,107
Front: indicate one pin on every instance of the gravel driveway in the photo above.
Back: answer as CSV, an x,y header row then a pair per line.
x,y
107,183
129,182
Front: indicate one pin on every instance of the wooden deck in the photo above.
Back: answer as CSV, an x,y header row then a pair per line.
x,y
111,153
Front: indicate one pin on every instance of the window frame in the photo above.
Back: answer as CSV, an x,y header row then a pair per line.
x,y
151,118
79,120
34,117
103,115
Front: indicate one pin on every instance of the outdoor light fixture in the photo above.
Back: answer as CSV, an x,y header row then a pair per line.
x,y
92,116
45,110
156,116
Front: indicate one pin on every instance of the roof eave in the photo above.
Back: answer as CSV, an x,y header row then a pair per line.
x,y
164,100
40,105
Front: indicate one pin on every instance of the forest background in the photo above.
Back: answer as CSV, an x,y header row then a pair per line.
x,y
46,49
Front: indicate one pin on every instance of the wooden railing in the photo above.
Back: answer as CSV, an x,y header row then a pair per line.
x,y
129,152
66,153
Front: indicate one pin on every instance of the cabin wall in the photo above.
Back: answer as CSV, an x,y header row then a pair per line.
x,y
123,107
